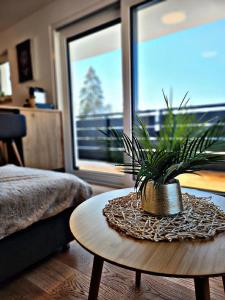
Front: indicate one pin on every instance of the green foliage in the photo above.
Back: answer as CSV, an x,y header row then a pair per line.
x,y
183,145
91,95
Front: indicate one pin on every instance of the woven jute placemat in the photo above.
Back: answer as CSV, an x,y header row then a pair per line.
x,y
201,219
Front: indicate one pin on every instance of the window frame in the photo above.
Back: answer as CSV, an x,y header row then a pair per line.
x,y
127,8
84,26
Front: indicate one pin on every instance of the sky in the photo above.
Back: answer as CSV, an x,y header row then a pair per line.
x,y
108,68
190,60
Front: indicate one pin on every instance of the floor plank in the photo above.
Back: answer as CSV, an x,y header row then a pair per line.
x,y
49,275
67,276
216,286
76,258
22,289
77,286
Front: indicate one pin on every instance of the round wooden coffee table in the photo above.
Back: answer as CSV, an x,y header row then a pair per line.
x,y
197,259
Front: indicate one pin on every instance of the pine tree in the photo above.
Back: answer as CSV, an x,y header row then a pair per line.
x,y
91,95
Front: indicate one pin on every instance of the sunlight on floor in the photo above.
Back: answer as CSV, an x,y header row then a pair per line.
x,y
206,180
98,166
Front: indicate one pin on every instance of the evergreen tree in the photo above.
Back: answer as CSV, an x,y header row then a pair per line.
x,y
91,95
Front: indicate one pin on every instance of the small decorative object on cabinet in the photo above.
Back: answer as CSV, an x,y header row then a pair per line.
x,y
178,148
4,99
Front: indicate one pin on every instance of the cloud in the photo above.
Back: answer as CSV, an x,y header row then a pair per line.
x,y
209,54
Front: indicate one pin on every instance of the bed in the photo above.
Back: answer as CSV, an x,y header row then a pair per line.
x,y
35,206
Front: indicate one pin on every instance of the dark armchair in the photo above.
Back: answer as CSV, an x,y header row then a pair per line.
x,y
12,127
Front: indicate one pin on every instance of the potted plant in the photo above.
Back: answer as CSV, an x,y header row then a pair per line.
x,y
183,144
2,96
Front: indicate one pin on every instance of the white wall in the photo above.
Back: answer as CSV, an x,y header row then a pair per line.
x,y
36,27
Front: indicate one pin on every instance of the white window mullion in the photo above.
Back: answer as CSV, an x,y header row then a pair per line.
x,y
126,6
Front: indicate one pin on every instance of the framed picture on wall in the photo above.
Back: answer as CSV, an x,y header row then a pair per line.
x,y
24,61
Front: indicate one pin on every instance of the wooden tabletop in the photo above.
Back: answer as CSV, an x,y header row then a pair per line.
x,y
178,258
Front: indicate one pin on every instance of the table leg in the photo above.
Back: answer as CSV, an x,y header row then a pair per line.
x,y
95,277
202,291
138,279
223,277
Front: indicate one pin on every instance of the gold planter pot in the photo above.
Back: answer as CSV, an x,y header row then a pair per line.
x,y
162,200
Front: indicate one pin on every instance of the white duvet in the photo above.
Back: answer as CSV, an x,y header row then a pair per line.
x,y
28,195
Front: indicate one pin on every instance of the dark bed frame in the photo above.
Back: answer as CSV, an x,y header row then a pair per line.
x,y
24,248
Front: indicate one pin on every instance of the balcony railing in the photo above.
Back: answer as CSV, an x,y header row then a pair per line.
x,y
93,145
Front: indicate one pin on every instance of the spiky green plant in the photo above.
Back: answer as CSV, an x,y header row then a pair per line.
x,y
182,146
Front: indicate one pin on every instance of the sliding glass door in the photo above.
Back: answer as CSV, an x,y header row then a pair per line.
x,y
178,47
90,91
115,64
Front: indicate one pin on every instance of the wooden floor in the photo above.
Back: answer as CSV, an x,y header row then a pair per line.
x,y
67,275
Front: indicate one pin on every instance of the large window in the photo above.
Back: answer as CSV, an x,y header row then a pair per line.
x,y
174,45
179,47
96,97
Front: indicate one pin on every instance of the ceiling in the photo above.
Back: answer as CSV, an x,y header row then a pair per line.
x,y
12,11
152,22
